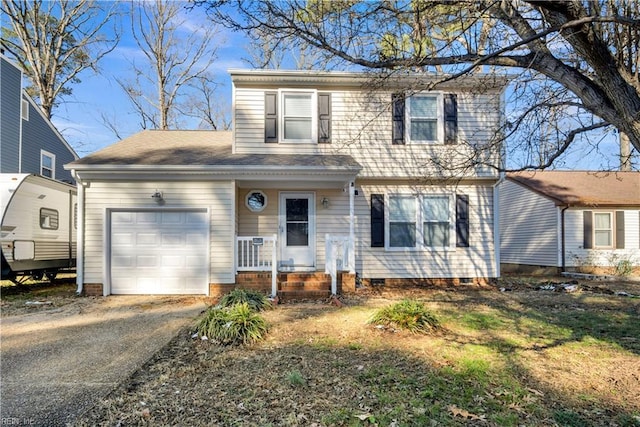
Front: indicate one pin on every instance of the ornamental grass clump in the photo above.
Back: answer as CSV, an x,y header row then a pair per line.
x,y
234,325
409,315
256,300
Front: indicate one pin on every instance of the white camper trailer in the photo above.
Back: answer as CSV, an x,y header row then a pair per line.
x,y
38,234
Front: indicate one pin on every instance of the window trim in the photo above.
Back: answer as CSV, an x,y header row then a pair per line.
x,y
439,96
250,194
43,154
50,213
419,223
611,230
314,116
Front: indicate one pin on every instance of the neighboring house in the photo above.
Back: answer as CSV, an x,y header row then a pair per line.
x,y
325,180
570,221
29,143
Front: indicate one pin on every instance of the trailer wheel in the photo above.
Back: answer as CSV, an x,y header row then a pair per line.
x,y
50,275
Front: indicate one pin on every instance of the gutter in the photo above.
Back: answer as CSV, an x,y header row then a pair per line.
x,y
79,235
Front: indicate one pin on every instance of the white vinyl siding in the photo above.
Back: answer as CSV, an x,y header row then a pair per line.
x,y
361,126
478,260
577,255
529,227
216,196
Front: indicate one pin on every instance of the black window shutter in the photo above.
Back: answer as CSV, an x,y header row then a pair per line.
x,y
588,229
324,118
450,118
619,230
271,117
397,99
377,220
462,221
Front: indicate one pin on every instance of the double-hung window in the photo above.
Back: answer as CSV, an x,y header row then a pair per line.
x,y
424,117
402,221
603,229
436,221
299,116
47,164
416,222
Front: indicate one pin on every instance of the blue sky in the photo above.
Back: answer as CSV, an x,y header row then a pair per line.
x,y
80,116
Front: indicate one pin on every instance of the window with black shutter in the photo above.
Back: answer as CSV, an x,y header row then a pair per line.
x,y
377,220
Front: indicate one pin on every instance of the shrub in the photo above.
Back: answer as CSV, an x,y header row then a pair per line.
x,y
235,325
256,300
407,314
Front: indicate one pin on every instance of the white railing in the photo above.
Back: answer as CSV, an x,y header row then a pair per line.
x,y
339,257
256,253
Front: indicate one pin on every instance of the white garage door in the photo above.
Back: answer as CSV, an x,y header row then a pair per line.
x,y
159,252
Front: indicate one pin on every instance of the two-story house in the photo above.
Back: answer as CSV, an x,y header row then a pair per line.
x,y
328,179
29,143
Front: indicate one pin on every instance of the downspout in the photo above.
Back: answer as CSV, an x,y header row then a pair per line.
x,y
496,222
562,239
352,230
79,234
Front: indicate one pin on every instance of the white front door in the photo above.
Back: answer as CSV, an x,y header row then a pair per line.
x,y
297,231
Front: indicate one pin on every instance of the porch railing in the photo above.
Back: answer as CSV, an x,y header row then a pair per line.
x,y
256,253
339,257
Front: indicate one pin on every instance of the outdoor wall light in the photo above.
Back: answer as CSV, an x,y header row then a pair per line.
x,y
325,202
157,196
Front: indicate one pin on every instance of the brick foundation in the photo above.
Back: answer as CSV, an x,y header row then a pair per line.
x,y
92,289
429,283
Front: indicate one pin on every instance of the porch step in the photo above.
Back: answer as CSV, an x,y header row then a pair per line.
x,y
303,295
304,286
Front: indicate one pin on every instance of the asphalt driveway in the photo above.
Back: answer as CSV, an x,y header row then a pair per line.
x,y
55,364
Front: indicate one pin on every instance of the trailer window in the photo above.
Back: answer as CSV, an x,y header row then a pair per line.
x,y
48,219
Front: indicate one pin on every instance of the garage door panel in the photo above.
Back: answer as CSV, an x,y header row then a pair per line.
x,y
122,239
147,217
193,262
172,261
147,239
173,239
159,252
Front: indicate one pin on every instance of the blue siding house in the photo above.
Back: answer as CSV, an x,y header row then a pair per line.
x,y
29,143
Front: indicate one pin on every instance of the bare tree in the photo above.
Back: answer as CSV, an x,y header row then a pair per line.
x,y
581,57
174,55
54,42
204,105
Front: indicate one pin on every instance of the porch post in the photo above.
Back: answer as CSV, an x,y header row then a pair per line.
x,y
274,266
352,231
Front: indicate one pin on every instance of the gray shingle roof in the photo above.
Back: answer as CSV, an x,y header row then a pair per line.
x,y
198,148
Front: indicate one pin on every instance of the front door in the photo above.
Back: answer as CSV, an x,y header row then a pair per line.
x,y
297,231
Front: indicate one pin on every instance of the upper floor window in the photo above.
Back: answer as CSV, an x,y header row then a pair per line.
x,y
47,164
24,110
297,116
425,118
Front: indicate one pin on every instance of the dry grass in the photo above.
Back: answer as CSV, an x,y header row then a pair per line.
x,y
524,357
